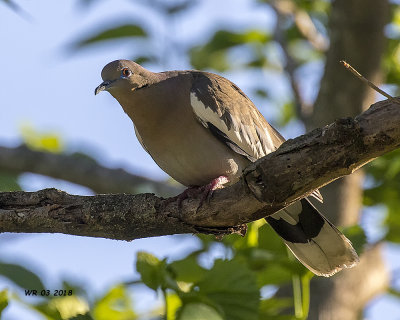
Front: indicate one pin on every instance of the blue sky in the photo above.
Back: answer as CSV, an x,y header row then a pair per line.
x,y
52,91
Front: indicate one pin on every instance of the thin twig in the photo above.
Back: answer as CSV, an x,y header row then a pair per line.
x,y
290,67
303,22
369,83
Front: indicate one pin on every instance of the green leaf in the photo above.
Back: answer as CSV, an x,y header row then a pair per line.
x,y
42,141
391,63
274,273
124,31
357,237
394,292
206,240
21,276
269,268
272,259
264,252
173,304
314,6
269,240
287,114
214,53
274,306
58,308
201,59
116,304
261,92
77,289
293,33
224,39
9,182
66,307
151,269
45,309
393,224
386,167
144,59
187,269
155,273
198,311
385,172
232,287
3,300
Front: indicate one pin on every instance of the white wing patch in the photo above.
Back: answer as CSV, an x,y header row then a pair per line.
x,y
290,216
247,137
207,115
269,140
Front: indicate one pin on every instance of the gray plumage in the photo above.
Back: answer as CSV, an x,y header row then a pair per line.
x,y
198,126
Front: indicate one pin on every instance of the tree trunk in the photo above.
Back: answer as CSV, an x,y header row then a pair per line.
x,y
356,35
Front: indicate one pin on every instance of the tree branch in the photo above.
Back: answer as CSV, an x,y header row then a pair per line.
x,y
290,64
297,168
79,169
304,23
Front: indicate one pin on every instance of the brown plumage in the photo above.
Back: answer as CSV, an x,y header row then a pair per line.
x,y
198,126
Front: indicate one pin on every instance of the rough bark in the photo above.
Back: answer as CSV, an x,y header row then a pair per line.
x,y
297,168
80,169
119,216
356,35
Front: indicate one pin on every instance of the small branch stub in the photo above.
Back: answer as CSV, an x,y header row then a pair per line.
x,y
349,67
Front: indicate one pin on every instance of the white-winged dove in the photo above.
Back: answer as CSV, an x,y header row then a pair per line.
x,y
201,129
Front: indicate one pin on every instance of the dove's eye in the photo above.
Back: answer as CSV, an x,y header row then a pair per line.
x,y
125,72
